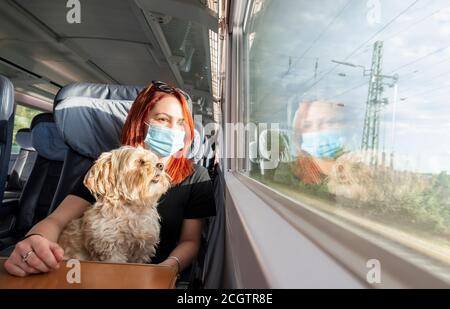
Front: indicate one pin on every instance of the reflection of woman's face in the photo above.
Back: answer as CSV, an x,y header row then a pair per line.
x,y
167,112
316,116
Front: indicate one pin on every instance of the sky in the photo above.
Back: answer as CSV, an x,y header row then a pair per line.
x,y
294,44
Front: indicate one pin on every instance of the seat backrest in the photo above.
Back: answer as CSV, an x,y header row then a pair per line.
x,y
212,264
38,192
90,118
24,162
198,146
210,152
7,109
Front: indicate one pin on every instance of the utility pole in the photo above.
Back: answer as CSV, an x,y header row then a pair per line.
x,y
375,102
370,137
394,110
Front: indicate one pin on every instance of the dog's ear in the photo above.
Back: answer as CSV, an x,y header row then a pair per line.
x,y
99,178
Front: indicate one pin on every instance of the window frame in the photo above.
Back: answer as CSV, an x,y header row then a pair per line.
x,y
351,247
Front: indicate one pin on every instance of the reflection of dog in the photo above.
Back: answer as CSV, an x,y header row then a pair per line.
x,y
350,178
123,225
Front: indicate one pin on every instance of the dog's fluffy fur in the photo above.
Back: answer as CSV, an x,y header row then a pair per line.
x,y
123,225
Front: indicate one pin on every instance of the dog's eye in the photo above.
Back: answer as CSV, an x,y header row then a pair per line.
x,y
160,166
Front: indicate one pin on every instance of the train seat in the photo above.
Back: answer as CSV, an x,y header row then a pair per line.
x,y
7,109
22,166
90,118
41,185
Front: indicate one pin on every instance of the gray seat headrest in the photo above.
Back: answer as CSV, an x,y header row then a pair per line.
x,y
90,117
7,98
23,139
6,109
98,91
46,139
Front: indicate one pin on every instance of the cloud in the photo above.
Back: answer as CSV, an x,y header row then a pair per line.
x,y
443,15
444,31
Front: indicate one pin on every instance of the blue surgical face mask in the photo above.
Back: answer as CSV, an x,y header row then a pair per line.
x,y
164,141
323,144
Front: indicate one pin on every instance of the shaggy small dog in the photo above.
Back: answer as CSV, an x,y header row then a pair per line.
x,y
350,178
123,225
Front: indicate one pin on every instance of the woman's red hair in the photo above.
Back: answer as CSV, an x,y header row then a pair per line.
x,y
134,130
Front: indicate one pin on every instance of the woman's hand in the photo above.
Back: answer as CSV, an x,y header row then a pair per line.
x,y
172,263
43,256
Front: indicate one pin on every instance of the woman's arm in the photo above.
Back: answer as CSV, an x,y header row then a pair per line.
x,y
71,207
46,252
188,246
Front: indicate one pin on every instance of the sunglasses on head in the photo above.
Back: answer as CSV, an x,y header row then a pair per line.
x,y
162,86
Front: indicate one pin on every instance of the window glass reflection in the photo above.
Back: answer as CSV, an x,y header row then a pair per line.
x,y
359,91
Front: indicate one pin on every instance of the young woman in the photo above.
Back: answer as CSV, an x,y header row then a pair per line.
x,y
161,121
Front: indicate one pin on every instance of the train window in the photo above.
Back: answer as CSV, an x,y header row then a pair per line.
x,y
22,119
349,106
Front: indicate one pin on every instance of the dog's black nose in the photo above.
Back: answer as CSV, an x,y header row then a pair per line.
x,y
160,166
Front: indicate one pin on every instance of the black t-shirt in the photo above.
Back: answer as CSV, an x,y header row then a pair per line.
x,y
193,198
